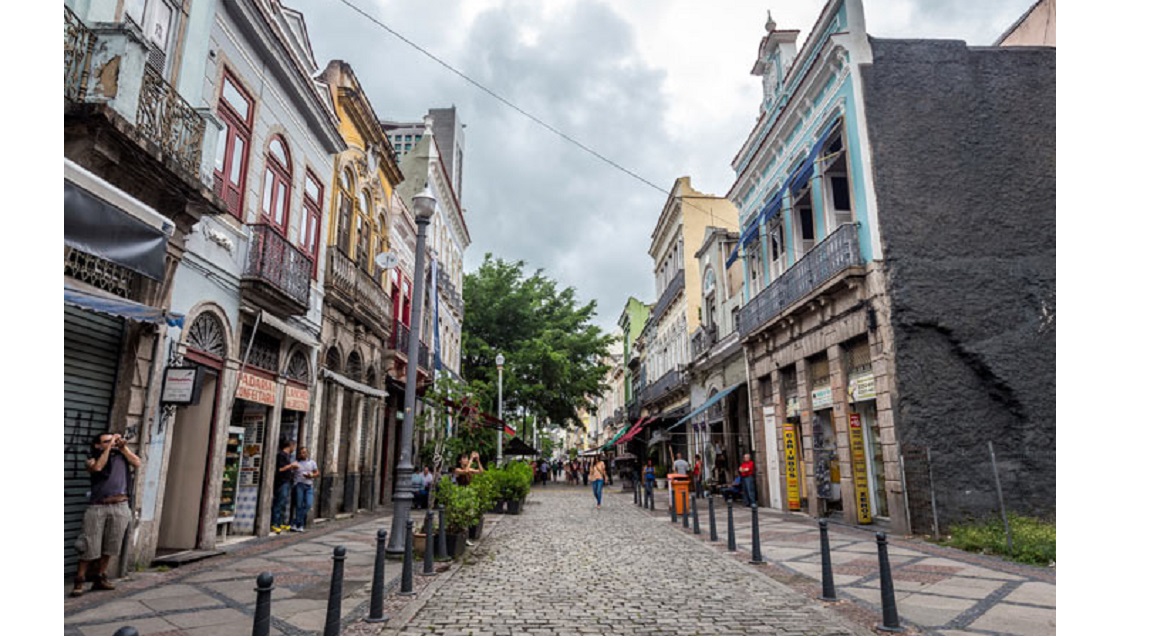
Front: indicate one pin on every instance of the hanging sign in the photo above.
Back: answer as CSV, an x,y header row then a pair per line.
x,y
862,388
257,389
181,385
792,406
296,399
821,398
791,466
859,468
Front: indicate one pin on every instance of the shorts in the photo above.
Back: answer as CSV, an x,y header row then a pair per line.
x,y
103,531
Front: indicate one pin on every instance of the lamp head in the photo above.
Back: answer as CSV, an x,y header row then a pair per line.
x,y
499,359
423,205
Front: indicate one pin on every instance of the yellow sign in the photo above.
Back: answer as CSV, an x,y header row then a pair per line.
x,y
257,389
791,466
859,468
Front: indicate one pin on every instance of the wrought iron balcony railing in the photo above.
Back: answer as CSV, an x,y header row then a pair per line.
x,y
674,288
278,264
835,253
168,120
359,291
78,44
666,384
702,340
399,343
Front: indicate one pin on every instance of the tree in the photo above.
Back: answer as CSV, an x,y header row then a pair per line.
x,y
554,354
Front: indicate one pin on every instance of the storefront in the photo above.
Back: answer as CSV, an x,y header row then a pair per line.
x,y
864,432
826,460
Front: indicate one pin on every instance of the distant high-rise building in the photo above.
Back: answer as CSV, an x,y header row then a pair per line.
x,y
449,132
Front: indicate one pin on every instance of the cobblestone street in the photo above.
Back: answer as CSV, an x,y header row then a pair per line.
x,y
564,567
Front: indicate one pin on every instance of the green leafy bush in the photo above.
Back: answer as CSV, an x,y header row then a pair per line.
x,y
462,508
516,481
486,487
1033,540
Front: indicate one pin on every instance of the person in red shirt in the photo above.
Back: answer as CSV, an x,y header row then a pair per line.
x,y
748,480
697,471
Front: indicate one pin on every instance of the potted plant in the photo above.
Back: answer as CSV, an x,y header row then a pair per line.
x,y
486,486
461,511
515,485
661,476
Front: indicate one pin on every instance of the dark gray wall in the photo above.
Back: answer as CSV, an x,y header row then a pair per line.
x,y
964,159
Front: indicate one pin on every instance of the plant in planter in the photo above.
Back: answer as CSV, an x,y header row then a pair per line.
x,y
462,509
515,484
485,485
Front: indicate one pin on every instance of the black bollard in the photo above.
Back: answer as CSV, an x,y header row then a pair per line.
x,y
429,570
651,500
685,494
711,520
731,529
335,593
672,509
826,563
376,604
262,621
695,517
756,558
406,573
887,593
128,631
441,537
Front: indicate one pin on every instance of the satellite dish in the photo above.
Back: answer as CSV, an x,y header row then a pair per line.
x,y
387,260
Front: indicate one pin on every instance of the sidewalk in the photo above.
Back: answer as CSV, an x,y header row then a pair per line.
x,y
939,591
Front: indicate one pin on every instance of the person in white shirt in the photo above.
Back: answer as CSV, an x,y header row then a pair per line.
x,y
306,472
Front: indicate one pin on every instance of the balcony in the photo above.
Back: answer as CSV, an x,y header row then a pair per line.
x,y
666,384
448,293
674,289
278,275
398,342
702,340
78,44
835,254
351,290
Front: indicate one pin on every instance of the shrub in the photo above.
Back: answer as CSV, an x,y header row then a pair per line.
x,y
517,481
486,486
462,508
1033,540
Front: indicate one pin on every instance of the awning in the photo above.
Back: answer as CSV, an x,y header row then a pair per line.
x,y
121,308
517,447
635,429
616,437
711,401
298,335
352,384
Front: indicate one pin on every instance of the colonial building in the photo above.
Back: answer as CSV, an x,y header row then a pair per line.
x,y
897,208
139,142
349,435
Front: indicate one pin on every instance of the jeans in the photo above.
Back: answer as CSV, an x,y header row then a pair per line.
x,y
598,490
748,484
281,504
303,503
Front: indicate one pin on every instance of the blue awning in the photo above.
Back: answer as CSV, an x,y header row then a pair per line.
x,y
732,257
121,308
772,209
801,175
711,401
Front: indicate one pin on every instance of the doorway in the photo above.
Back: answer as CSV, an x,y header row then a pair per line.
x,y
187,470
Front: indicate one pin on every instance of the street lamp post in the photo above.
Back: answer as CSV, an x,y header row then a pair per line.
x,y
500,408
424,205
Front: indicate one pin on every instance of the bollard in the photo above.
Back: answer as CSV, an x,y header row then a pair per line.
x,y
887,593
335,593
376,604
429,570
672,510
635,494
695,517
826,563
651,500
441,537
756,558
731,528
262,621
711,520
685,518
128,631
406,572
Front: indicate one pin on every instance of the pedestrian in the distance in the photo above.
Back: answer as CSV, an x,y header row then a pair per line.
x,y
286,466
680,465
306,472
584,472
597,474
108,515
697,471
649,476
748,480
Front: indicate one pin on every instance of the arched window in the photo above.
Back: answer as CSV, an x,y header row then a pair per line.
x,y
310,225
344,215
231,168
206,335
381,246
364,232
277,185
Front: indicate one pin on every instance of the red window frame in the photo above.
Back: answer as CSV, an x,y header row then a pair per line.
x,y
310,225
230,178
276,200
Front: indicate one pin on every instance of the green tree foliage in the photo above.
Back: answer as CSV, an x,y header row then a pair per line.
x,y
553,352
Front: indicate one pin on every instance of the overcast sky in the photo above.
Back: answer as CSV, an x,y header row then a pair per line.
x,y
660,87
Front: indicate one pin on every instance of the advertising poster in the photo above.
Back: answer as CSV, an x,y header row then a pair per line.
x,y
791,466
859,468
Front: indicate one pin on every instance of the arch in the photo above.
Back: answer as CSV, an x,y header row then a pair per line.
x,y
355,366
299,367
208,334
370,377
332,359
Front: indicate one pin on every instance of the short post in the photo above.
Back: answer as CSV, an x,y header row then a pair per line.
x,y
756,557
376,604
429,570
335,593
262,621
685,494
635,493
672,509
406,573
731,528
695,517
441,537
128,631
711,520
887,593
826,563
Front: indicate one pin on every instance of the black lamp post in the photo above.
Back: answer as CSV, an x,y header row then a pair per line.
x,y
423,205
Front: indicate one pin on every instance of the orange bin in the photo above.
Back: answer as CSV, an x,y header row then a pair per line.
x,y
678,485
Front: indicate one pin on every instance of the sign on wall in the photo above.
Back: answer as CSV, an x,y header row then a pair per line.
x,y
821,398
257,389
859,468
181,385
791,466
296,399
862,388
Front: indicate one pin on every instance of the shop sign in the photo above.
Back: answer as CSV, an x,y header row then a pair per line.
x,y
257,389
791,466
296,399
859,468
862,388
181,385
792,406
821,398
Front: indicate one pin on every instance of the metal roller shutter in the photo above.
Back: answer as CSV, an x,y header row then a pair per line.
x,y
92,343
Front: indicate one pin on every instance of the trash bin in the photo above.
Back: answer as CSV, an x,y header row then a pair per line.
x,y
678,484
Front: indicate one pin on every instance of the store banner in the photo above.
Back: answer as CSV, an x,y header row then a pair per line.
x,y
821,398
296,398
862,387
859,468
258,389
791,466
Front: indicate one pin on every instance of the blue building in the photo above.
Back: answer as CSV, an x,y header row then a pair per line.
x,y
897,212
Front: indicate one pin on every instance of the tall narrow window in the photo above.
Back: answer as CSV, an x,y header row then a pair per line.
x,y
804,224
310,225
381,247
277,185
344,213
838,186
364,232
776,249
235,111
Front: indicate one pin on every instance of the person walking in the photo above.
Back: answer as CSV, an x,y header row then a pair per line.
x,y
306,472
282,486
697,472
649,477
584,472
680,465
748,479
545,469
597,474
108,515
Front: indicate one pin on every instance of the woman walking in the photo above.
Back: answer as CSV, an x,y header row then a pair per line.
x,y
597,475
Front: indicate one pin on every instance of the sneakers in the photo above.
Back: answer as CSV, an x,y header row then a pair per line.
x,y
103,584
295,529
280,528
77,589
